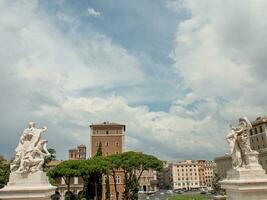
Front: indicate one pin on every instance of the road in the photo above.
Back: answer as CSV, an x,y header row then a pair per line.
x,y
161,195
156,196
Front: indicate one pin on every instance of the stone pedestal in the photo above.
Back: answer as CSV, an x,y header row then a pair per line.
x,y
248,183
27,187
219,197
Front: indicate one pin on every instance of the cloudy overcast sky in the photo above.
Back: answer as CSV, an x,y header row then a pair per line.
x,y
176,72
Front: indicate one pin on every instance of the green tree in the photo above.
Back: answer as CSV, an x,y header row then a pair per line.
x,y
49,158
66,170
4,171
91,170
216,186
107,195
133,165
98,176
99,150
114,165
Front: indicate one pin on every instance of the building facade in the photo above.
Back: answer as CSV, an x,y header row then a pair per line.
x,y
111,137
209,169
78,153
187,174
148,181
258,142
258,134
184,175
201,172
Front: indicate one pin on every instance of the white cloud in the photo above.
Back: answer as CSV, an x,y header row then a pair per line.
x,y
219,54
42,68
93,12
160,133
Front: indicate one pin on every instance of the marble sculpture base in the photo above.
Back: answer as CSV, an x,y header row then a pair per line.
x,y
32,187
246,184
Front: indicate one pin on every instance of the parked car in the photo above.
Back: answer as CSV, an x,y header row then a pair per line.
x,y
203,192
169,192
178,191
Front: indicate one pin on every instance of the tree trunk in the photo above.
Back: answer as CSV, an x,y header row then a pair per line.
x,y
68,186
96,193
126,187
115,185
107,183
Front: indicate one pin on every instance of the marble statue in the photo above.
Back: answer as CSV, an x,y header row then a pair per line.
x,y
31,151
27,179
247,179
238,140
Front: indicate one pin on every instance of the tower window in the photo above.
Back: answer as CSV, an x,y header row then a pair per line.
x,y
118,179
107,132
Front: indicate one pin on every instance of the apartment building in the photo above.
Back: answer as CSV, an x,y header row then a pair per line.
x,y
184,174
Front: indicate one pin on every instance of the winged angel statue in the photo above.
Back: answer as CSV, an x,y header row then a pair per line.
x,y
238,140
31,151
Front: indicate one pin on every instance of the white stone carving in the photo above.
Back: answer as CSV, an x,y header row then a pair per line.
x,y
238,140
247,180
27,179
31,151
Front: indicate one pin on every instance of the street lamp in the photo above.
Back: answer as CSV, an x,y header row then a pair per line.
x,y
188,182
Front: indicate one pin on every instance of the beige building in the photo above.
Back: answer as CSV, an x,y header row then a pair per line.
x,y
209,168
258,134
111,137
201,172
78,153
258,142
148,181
184,174
206,172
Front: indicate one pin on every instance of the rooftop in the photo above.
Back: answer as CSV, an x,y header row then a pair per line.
x,y
259,120
107,123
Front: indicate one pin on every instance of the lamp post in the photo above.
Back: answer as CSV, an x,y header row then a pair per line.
x,y
188,183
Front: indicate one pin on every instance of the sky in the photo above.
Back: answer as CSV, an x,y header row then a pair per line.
x,y
177,73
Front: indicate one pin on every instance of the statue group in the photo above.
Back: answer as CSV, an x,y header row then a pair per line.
x,y
27,179
246,180
31,151
238,140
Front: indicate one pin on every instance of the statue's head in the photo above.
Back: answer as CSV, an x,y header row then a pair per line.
x,y
245,123
31,124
